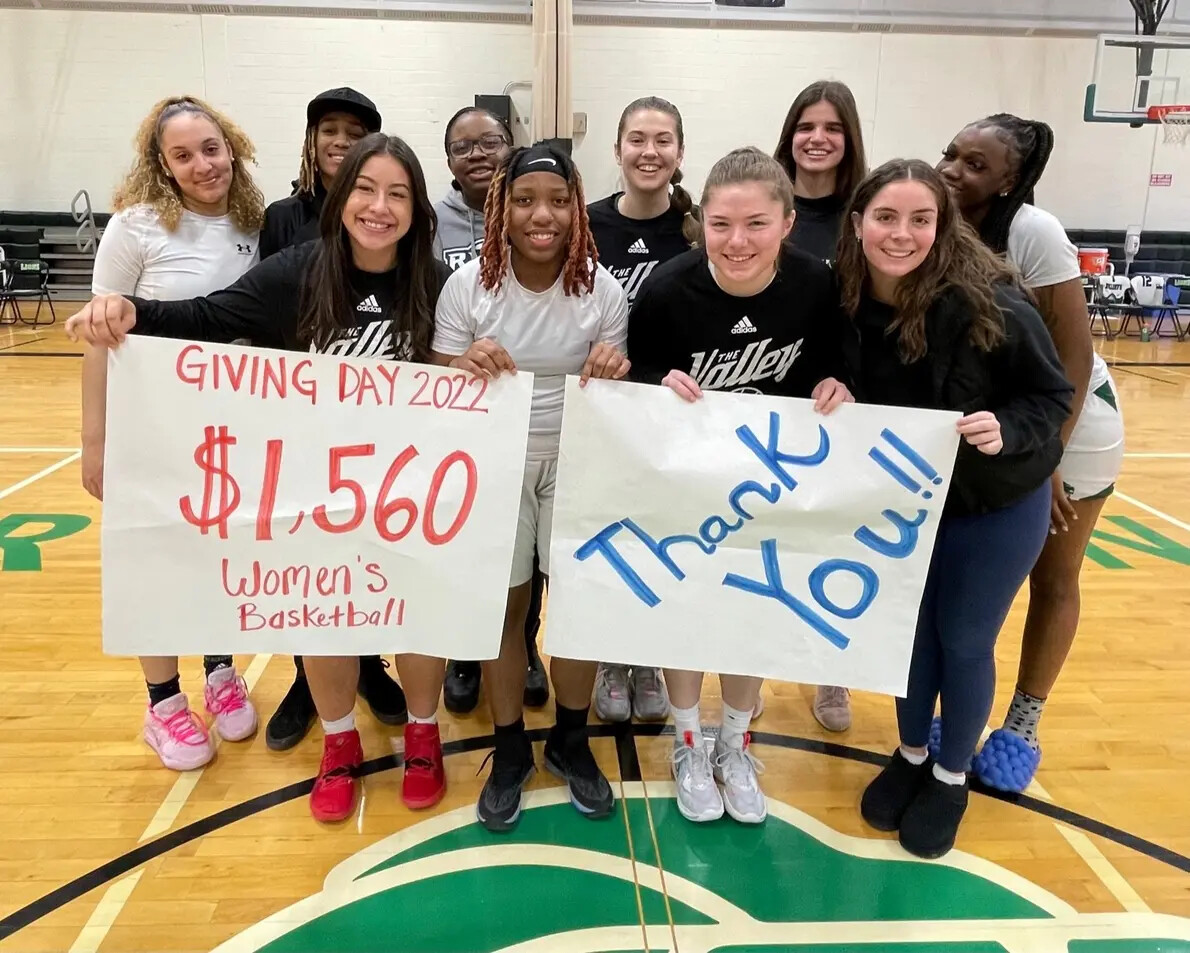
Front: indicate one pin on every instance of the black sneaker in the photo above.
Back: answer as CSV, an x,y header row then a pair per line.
x,y
385,697
499,805
460,691
292,719
537,683
573,762
931,822
886,798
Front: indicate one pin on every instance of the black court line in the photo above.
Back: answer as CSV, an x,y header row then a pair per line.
x,y
1148,377
1148,363
7,353
625,735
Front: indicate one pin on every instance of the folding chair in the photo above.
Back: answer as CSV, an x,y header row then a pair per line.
x,y
5,310
25,279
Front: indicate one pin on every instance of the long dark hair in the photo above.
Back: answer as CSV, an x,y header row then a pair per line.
x,y
326,303
854,165
680,200
1030,143
578,269
959,261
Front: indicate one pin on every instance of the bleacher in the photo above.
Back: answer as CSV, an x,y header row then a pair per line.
x,y
64,241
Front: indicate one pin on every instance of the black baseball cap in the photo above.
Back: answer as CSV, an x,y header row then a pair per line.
x,y
347,100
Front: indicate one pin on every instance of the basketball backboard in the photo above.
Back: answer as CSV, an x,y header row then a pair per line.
x,y
1134,72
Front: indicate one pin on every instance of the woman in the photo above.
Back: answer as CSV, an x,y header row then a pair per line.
x,y
375,248
186,223
335,121
822,148
635,230
746,284
476,142
536,299
935,320
991,169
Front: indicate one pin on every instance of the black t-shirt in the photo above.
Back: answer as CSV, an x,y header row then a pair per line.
x,y
781,341
816,225
265,303
631,248
887,379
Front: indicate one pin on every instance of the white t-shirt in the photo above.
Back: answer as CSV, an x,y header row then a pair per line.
x,y
137,256
547,333
1044,255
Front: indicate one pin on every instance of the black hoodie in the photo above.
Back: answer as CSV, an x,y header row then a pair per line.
x,y
291,221
1021,381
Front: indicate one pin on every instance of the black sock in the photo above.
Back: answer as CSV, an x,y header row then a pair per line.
x,y
511,737
163,690
212,662
569,722
300,666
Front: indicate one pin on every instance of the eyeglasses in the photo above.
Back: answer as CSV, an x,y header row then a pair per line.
x,y
489,145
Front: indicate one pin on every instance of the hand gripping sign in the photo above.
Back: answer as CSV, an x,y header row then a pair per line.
x,y
270,501
744,534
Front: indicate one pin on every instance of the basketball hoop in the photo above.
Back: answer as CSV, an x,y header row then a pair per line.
x,y
1175,121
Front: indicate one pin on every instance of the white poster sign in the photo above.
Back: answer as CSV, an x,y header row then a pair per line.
x,y
272,501
744,534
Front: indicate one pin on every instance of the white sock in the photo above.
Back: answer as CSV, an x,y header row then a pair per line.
x,y
912,757
432,720
346,723
948,777
687,720
735,726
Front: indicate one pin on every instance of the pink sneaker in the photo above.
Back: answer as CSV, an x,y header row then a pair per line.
x,y
177,734
227,699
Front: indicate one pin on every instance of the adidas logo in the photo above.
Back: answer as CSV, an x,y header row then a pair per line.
x,y
369,304
744,327
638,247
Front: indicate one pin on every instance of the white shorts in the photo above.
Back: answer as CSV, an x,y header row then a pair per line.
x,y
536,520
1091,464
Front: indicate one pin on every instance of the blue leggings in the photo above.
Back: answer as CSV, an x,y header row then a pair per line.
x,y
978,565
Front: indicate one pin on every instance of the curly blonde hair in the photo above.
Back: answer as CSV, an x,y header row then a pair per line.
x,y
148,184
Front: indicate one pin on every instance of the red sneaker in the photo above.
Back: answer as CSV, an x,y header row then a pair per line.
x,y
333,797
424,782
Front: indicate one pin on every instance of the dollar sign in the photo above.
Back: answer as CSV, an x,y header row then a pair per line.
x,y
204,455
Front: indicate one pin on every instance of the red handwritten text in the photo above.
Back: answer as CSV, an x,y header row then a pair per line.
x,y
308,616
258,375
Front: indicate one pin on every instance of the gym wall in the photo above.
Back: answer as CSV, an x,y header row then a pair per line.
x,y
77,84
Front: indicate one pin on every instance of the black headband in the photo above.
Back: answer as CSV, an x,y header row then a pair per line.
x,y
541,158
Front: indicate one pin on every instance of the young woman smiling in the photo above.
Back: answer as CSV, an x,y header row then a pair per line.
x,y
374,246
762,310
536,299
991,168
335,121
476,142
935,320
635,230
822,148
186,223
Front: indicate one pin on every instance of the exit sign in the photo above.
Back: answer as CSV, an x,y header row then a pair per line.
x,y
1161,178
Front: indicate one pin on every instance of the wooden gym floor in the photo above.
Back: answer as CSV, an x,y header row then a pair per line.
x,y
103,849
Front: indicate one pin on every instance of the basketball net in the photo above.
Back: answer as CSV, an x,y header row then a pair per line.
x,y
1176,124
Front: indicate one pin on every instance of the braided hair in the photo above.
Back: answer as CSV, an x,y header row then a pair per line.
x,y
578,270
1029,143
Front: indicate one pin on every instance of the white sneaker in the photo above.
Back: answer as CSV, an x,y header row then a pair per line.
x,y
737,770
612,700
698,796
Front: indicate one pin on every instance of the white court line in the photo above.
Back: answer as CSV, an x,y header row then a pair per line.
x,y
1173,520
53,450
105,913
8,491
1157,456
112,903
